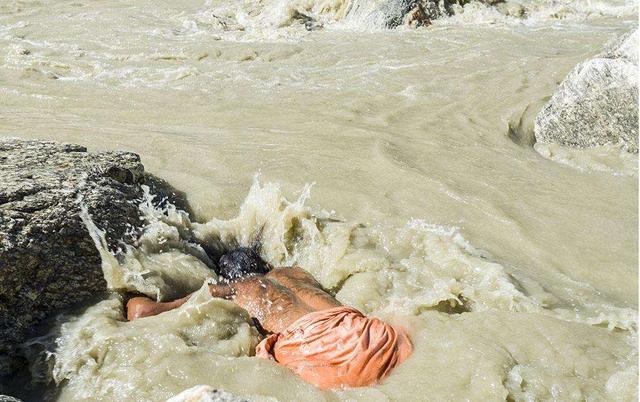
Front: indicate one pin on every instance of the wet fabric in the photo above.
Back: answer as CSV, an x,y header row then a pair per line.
x,y
338,347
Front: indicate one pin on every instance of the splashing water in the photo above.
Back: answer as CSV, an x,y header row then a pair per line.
x,y
425,277
524,290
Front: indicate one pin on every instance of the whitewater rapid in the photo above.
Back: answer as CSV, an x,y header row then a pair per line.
x,y
428,278
395,166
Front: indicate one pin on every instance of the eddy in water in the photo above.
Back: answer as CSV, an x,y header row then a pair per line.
x,y
327,344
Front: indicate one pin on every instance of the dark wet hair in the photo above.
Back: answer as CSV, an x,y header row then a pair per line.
x,y
241,262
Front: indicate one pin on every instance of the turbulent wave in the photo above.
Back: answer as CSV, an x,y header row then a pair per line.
x,y
103,357
580,9
610,159
262,16
412,272
415,268
538,11
392,124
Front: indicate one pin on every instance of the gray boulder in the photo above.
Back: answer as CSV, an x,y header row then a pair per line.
x,y
6,398
597,103
48,262
415,13
205,393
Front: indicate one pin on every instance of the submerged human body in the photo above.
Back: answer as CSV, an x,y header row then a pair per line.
x,y
327,344
276,299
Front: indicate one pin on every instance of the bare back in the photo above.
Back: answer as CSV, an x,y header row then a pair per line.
x,y
276,299
305,287
279,298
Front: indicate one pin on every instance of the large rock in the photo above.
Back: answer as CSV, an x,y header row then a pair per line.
x,y
597,103
48,262
6,398
205,393
420,12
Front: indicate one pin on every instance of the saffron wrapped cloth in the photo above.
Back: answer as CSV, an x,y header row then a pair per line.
x,y
338,347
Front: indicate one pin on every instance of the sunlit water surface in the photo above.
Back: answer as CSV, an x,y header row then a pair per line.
x,y
514,269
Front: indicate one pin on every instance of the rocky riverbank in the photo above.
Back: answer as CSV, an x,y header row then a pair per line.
x,y
48,262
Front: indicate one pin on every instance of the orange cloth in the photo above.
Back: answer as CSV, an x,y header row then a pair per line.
x,y
338,346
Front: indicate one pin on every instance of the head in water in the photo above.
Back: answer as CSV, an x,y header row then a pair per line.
x,y
241,262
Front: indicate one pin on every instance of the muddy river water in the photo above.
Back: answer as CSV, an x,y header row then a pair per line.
x,y
380,160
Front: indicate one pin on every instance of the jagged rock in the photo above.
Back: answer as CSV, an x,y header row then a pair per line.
x,y
48,262
417,13
6,398
597,103
205,393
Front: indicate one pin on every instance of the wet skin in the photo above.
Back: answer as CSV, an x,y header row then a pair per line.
x,y
276,299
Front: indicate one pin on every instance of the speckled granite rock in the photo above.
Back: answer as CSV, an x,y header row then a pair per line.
x,y
5,398
420,12
205,393
47,259
597,103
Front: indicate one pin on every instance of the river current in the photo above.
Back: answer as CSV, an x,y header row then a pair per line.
x,y
393,165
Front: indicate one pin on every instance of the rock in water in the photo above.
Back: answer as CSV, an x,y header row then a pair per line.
x,y
597,103
47,259
205,393
417,13
6,398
